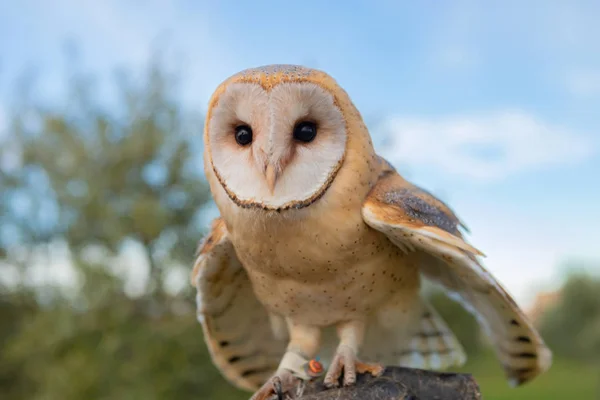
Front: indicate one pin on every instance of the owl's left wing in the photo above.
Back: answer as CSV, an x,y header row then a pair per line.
x,y
244,341
415,220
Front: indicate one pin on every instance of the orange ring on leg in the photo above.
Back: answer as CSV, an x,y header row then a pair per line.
x,y
315,367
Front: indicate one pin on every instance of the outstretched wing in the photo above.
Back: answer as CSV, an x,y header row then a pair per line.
x,y
244,341
415,220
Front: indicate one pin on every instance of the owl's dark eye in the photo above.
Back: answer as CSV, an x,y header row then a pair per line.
x,y
243,135
305,131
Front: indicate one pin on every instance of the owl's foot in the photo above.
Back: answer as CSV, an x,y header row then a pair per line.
x,y
280,386
345,360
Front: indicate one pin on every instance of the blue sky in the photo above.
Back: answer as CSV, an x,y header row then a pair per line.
x,y
495,108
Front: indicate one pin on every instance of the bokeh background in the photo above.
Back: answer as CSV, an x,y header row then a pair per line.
x,y
493,106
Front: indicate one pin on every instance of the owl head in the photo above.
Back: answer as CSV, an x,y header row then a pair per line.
x,y
276,136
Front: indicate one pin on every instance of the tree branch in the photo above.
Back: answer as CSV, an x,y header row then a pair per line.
x,y
398,383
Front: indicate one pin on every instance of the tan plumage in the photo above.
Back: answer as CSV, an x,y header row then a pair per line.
x,y
321,245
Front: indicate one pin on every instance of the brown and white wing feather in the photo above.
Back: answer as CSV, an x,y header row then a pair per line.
x,y
415,220
423,341
244,341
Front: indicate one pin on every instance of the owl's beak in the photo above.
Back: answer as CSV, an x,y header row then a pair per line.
x,y
271,175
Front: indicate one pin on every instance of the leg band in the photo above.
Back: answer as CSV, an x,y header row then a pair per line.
x,y
296,364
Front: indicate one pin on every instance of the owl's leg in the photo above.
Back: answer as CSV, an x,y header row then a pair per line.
x,y
303,346
351,335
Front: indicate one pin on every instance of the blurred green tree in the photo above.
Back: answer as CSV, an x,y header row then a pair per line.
x,y
571,327
106,345
81,181
92,174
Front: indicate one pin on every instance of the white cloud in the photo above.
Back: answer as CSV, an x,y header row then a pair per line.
x,y
486,147
584,82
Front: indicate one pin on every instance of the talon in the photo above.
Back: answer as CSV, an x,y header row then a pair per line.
x,y
280,384
335,371
277,387
345,361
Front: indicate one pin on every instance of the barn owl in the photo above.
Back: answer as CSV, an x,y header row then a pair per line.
x,y
321,246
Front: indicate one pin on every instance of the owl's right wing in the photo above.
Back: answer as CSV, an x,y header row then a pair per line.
x,y
245,342
415,220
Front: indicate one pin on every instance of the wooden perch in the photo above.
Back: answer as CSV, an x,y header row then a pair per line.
x,y
398,383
